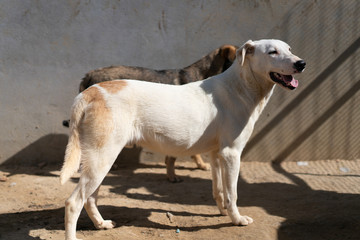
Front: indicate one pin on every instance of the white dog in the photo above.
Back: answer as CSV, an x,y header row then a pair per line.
x,y
216,115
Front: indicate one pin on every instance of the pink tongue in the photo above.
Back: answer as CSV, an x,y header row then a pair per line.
x,y
294,82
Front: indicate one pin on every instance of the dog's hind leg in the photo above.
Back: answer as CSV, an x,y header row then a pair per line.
x,y
94,214
73,206
230,164
217,185
96,165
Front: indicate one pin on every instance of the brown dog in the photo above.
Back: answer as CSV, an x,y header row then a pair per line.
x,y
212,64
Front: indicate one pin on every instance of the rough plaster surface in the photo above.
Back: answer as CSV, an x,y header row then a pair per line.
x,y
47,46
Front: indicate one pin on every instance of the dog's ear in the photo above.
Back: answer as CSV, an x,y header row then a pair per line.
x,y
246,49
229,52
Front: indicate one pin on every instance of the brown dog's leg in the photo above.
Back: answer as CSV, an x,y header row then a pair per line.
x,y
170,169
200,163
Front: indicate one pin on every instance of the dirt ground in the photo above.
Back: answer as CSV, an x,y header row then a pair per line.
x,y
311,200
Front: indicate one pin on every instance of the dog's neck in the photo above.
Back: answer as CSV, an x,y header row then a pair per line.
x,y
250,85
244,79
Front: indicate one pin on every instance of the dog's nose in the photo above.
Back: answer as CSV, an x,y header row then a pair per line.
x,y
300,65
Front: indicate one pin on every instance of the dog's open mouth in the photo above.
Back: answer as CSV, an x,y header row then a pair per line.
x,y
287,81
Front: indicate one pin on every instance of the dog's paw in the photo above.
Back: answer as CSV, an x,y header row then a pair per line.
x,y
106,224
205,167
223,211
244,220
175,179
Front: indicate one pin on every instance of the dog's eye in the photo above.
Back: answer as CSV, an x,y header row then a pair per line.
x,y
273,52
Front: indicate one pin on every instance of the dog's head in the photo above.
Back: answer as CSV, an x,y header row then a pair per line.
x,y
272,60
228,53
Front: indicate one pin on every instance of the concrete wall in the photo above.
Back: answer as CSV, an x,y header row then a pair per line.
x,y
47,46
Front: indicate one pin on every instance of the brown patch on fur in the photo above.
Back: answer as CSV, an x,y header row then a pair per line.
x,y
113,86
92,94
229,52
97,121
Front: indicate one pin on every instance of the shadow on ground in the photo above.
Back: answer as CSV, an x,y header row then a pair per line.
x,y
47,154
309,214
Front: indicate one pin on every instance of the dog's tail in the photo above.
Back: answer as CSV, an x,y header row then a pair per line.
x,y
73,149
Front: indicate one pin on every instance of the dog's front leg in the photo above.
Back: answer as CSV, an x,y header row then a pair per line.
x,y
230,164
217,185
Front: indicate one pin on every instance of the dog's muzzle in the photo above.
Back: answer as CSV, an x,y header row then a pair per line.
x,y
300,65
288,81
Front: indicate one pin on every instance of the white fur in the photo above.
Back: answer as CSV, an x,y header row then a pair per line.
x,y
216,115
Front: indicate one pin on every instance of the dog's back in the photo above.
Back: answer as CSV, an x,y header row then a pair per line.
x,y
128,72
